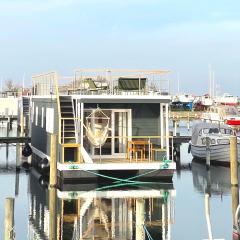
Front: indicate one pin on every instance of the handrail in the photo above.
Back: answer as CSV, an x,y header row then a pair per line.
x,y
62,123
70,118
144,146
58,107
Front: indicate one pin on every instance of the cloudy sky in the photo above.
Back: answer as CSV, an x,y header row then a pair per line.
x,y
183,36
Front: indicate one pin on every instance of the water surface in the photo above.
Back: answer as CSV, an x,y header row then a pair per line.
x,y
140,211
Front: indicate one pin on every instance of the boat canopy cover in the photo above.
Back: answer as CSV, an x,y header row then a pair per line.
x,y
205,125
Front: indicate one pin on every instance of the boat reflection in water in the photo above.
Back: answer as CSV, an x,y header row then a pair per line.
x,y
103,213
216,181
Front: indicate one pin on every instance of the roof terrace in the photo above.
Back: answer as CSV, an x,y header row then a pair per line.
x,y
103,82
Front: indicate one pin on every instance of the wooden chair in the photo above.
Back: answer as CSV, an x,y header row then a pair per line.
x,y
133,151
156,150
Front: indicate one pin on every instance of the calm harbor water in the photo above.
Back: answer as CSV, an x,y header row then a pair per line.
x,y
148,211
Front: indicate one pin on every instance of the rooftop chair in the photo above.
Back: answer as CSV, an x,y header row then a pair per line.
x,y
88,86
132,85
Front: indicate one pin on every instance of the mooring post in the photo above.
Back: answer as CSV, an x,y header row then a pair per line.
x,y
8,128
53,161
18,159
235,202
140,210
10,124
9,219
175,128
208,154
17,183
21,124
188,122
52,213
207,214
234,160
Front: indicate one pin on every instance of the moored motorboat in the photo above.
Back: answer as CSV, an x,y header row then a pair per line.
x,y
219,135
227,99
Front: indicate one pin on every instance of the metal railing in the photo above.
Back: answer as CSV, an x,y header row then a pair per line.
x,y
64,127
101,82
138,149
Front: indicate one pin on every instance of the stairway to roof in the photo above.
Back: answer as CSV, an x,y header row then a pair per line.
x,y
68,131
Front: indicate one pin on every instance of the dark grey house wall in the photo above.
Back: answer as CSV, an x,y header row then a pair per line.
x,y
145,117
40,138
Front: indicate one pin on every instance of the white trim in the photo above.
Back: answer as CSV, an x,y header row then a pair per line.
x,y
167,129
115,166
112,120
82,119
150,193
129,97
44,96
50,120
125,99
42,122
36,115
161,125
32,111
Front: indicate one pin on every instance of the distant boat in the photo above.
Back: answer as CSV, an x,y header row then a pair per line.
x,y
206,100
224,114
202,103
227,99
183,101
219,135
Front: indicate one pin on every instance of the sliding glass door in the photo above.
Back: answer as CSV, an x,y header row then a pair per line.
x,y
120,132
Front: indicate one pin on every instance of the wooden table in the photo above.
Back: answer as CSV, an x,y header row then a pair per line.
x,y
135,146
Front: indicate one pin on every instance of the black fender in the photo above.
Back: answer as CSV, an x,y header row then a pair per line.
x,y
44,164
27,150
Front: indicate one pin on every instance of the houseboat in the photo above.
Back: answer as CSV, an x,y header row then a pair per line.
x,y
110,125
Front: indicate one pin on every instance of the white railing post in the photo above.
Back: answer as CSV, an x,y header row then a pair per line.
x,y
161,124
167,130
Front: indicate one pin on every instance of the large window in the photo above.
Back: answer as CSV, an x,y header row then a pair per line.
x,y
50,120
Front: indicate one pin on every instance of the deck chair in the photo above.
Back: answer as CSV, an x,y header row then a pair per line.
x,y
90,86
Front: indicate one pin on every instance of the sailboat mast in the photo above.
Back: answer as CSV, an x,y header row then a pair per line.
x,y
213,83
210,81
178,82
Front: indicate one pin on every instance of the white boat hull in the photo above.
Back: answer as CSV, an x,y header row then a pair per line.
x,y
218,153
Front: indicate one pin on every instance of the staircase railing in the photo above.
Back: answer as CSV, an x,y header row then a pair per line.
x,y
58,106
62,128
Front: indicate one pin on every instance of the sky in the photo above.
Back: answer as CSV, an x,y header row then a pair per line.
x,y
183,36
